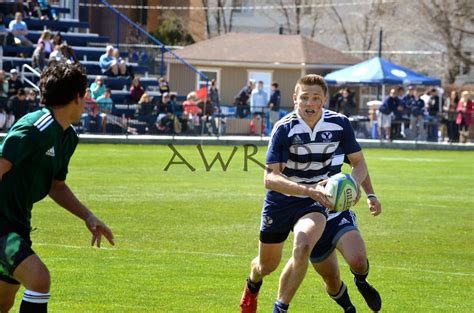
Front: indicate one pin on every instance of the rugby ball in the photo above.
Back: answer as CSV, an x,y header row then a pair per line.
x,y
343,191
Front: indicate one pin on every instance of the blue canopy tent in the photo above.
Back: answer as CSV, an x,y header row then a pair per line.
x,y
378,71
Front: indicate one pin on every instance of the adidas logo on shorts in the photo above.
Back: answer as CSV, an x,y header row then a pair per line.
x,y
50,152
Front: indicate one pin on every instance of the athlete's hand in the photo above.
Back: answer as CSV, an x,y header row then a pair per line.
x,y
318,193
374,206
98,229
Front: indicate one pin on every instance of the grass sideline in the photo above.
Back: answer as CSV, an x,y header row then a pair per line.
x,y
185,239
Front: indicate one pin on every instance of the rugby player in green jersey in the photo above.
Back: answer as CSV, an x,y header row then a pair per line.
x,y
34,160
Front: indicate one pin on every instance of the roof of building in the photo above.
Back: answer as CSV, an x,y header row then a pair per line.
x,y
265,48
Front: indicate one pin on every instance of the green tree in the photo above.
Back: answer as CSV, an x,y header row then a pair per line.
x,y
172,31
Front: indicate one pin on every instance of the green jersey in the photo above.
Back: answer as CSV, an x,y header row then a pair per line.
x,y
39,150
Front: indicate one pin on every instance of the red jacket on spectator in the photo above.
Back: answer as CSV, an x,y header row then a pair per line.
x,y
467,113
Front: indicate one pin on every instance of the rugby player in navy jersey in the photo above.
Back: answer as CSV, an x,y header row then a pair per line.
x,y
34,159
299,156
342,233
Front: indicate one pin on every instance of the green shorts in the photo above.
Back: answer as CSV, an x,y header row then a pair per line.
x,y
13,250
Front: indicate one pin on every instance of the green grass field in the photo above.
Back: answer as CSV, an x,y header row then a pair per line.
x,y
184,239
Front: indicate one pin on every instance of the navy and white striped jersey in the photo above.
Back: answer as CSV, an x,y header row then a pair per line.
x,y
308,153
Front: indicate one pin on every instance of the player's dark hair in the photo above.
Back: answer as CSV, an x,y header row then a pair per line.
x,y
311,80
61,83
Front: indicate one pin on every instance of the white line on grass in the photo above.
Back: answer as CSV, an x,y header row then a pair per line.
x,y
407,269
226,255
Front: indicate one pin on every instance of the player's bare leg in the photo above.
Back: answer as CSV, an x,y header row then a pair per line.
x,y
34,276
307,231
352,247
267,261
336,289
7,295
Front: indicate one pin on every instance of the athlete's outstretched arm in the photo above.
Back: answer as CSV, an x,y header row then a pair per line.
x,y
359,167
375,206
5,166
63,196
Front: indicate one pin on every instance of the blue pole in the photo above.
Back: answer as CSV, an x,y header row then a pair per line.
x,y
118,30
162,64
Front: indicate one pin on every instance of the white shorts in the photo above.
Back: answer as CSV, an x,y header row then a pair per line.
x,y
384,120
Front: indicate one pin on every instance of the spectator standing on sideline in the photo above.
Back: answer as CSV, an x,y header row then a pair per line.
x,y
345,104
384,118
465,111
258,100
242,98
433,108
449,108
274,104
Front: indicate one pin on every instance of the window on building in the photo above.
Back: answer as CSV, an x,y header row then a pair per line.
x,y
211,74
264,76
242,6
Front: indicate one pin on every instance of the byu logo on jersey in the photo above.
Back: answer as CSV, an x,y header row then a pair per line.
x,y
326,135
267,220
50,152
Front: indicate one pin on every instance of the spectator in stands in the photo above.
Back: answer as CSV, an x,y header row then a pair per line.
x,y
17,105
105,105
242,98
146,110
14,83
164,86
433,107
191,111
258,99
38,60
334,99
165,120
33,100
274,104
91,113
384,119
57,55
449,108
47,11
45,38
136,90
416,107
399,114
3,31
108,63
121,64
465,111
19,29
58,39
68,53
6,120
3,85
345,104
97,87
